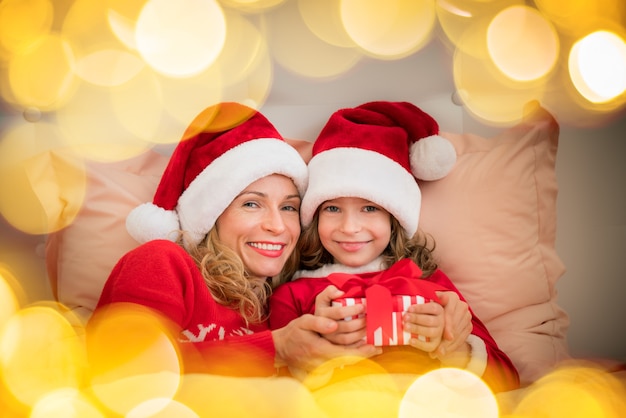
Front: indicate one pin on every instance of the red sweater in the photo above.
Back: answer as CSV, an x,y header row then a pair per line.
x,y
297,297
213,338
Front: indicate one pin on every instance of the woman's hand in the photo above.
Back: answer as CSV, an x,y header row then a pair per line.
x,y
301,344
458,324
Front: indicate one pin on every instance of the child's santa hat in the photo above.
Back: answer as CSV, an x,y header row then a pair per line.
x,y
226,148
376,151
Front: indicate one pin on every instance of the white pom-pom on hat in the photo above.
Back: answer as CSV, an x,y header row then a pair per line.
x,y
432,158
151,222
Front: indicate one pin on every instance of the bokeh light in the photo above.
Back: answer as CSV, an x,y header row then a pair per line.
x,y
9,303
252,6
370,392
210,395
43,75
597,65
23,23
132,358
580,389
161,408
449,392
522,43
65,402
137,105
389,29
244,49
577,17
488,94
100,58
91,128
42,183
465,23
108,67
21,279
302,52
323,18
86,29
40,352
255,88
180,38
218,118
122,18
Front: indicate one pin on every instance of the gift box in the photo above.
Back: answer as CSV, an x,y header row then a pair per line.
x,y
378,335
387,295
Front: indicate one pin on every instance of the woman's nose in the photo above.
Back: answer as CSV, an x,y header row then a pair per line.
x,y
273,221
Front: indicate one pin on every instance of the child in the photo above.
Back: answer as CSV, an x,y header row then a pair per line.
x,y
360,215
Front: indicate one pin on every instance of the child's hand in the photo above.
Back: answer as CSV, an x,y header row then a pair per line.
x,y
351,332
425,320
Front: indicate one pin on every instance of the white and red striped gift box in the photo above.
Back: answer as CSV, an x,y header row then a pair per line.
x,y
400,305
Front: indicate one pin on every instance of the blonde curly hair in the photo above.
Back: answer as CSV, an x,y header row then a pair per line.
x,y
230,284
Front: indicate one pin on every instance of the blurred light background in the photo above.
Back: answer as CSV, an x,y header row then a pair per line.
x,y
105,80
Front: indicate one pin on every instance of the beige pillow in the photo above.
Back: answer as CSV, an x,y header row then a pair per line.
x,y
80,256
494,222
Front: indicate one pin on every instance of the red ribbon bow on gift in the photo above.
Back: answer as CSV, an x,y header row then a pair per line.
x,y
402,278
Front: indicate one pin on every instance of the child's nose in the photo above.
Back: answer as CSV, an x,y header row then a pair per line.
x,y
350,223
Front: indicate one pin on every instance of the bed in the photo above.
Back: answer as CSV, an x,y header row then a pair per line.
x,y
494,219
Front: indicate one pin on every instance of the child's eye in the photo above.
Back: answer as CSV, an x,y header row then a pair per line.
x,y
331,208
370,208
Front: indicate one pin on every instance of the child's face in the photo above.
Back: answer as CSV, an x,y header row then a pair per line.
x,y
354,230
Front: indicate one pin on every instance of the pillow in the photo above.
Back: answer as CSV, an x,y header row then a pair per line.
x,y
493,219
80,256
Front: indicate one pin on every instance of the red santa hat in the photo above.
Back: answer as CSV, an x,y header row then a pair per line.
x,y
227,147
376,151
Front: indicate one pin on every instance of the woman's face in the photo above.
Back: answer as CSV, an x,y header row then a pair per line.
x,y
262,224
354,230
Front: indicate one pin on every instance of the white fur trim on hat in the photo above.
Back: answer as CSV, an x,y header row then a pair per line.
x,y
148,222
432,158
356,172
210,193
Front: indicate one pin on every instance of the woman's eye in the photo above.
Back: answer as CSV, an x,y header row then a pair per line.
x,y
290,208
251,204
